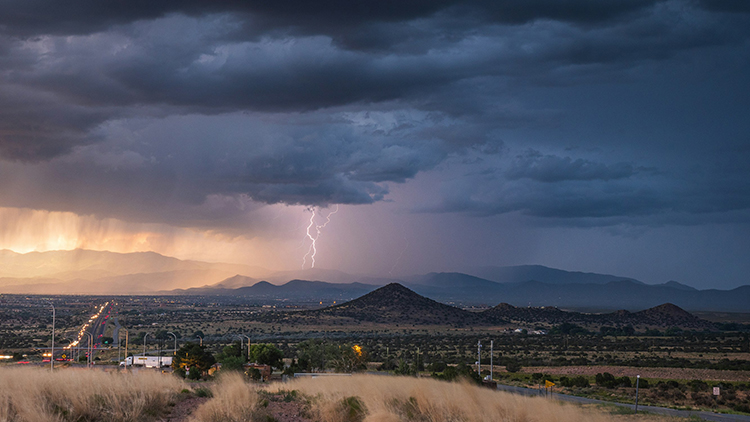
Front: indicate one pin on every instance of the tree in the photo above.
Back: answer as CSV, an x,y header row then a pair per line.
x,y
404,369
314,355
232,350
194,357
351,358
512,366
267,354
233,363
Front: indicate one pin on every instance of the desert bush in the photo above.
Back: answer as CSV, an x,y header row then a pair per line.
x,y
36,395
579,381
233,400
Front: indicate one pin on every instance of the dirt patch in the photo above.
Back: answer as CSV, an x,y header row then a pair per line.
x,y
630,371
183,408
286,407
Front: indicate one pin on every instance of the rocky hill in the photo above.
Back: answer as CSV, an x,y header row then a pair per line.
x,y
394,303
662,316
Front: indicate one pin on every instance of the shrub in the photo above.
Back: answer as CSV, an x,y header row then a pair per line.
x,y
513,366
606,380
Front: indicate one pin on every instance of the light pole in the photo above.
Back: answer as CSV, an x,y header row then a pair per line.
x,y
126,349
492,344
479,358
247,355
88,349
240,336
144,344
637,379
175,341
52,349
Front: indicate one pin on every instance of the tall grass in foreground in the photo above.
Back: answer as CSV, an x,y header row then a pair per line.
x,y
387,399
234,400
371,398
38,395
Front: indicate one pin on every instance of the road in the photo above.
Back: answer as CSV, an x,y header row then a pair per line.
x,y
709,416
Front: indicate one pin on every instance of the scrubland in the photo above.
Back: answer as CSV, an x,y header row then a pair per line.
x,y
38,395
370,398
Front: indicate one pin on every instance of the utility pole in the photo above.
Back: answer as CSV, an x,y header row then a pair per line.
x,y
52,349
479,358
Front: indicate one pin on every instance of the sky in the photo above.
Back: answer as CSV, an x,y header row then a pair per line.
x,y
608,137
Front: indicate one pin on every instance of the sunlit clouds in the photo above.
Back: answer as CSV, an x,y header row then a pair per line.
x,y
26,230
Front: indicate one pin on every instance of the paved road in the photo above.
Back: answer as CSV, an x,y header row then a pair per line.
x,y
709,416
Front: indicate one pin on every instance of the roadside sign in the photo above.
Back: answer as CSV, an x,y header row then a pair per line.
x,y
717,390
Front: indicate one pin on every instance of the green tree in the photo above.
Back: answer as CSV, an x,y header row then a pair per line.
x,y
194,357
232,350
233,363
351,358
267,354
315,355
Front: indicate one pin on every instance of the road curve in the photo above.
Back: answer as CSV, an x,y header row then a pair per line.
x,y
709,416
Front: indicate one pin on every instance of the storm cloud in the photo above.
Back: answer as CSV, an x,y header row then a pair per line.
x,y
145,110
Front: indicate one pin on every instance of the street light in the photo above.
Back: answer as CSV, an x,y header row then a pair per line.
x,y
52,349
247,356
637,379
126,347
88,350
201,339
492,352
479,358
240,336
144,344
175,341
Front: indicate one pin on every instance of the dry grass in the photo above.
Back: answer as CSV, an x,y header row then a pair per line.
x,y
36,395
233,400
391,399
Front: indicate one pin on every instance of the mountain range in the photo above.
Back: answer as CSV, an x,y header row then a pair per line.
x,y
395,304
99,272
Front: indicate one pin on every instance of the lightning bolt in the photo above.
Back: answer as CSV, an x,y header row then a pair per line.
x,y
312,250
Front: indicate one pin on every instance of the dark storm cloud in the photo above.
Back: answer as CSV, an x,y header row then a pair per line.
x,y
329,101
551,168
585,193
35,17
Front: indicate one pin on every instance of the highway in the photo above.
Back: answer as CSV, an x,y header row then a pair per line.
x,y
709,416
95,326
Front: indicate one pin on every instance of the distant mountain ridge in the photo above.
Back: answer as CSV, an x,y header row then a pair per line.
x,y
101,272
396,304
664,315
524,273
293,289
